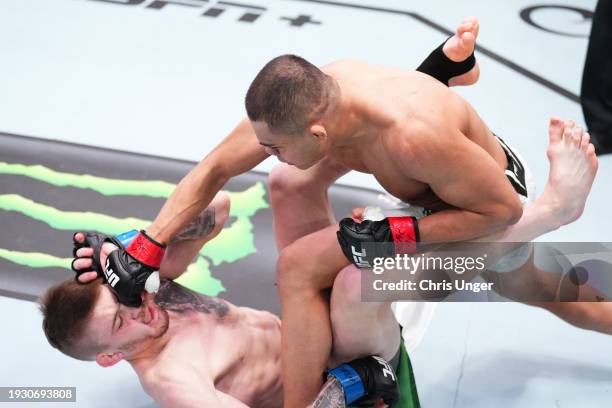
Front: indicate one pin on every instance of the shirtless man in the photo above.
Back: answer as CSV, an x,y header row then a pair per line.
x,y
191,350
422,142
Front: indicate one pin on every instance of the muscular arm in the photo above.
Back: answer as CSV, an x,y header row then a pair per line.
x,y
236,154
187,244
462,175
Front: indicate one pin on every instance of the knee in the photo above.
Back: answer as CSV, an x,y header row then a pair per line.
x,y
347,285
221,204
292,269
284,179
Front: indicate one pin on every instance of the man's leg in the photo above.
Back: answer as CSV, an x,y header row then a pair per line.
x,y
573,166
299,199
360,328
300,206
310,264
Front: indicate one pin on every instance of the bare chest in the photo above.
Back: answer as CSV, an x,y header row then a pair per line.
x,y
389,173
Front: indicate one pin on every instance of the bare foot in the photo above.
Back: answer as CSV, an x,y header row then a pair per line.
x,y
573,166
460,46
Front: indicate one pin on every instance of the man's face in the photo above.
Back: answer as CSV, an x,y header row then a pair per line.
x,y
302,151
125,329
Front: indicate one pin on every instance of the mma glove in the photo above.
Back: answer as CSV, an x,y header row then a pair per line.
x,y
366,380
130,269
362,242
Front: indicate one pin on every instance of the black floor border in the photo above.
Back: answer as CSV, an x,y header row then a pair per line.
x,y
485,51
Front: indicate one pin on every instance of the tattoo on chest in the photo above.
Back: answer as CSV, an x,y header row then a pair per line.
x,y
201,226
174,297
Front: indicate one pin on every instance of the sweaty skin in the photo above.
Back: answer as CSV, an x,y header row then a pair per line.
x,y
419,157
209,353
241,150
192,350
212,343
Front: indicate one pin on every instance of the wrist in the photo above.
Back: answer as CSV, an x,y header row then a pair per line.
x,y
146,250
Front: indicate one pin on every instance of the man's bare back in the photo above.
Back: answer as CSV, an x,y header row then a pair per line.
x,y
234,350
413,120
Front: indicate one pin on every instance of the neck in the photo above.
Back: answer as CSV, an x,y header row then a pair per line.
x,y
349,119
154,347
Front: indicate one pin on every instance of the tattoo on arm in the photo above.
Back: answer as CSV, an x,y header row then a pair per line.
x,y
174,297
331,395
201,226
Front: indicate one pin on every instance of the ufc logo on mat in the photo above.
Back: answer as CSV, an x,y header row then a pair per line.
x,y
249,13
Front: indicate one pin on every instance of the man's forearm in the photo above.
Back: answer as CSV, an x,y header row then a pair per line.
x,y
236,154
195,191
454,225
186,244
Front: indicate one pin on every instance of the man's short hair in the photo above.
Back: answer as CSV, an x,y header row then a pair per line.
x,y
288,93
67,308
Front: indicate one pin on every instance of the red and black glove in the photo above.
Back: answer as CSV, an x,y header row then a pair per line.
x,y
128,270
365,241
132,269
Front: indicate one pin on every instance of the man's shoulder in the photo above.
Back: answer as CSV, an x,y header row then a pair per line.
x,y
339,67
413,137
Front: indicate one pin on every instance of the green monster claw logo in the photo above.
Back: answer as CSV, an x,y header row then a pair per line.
x,y
233,243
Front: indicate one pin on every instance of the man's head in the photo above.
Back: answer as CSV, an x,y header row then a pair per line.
x,y
85,321
286,104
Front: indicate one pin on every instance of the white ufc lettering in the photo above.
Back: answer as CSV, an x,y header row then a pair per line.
x,y
111,277
386,367
358,257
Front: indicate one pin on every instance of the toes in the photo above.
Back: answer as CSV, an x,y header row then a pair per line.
x,y
590,150
577,135
555,129
568,132
464,27
469,24
584,142
468,40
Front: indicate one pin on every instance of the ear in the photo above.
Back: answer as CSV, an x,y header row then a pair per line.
x,y
318,131
108,360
